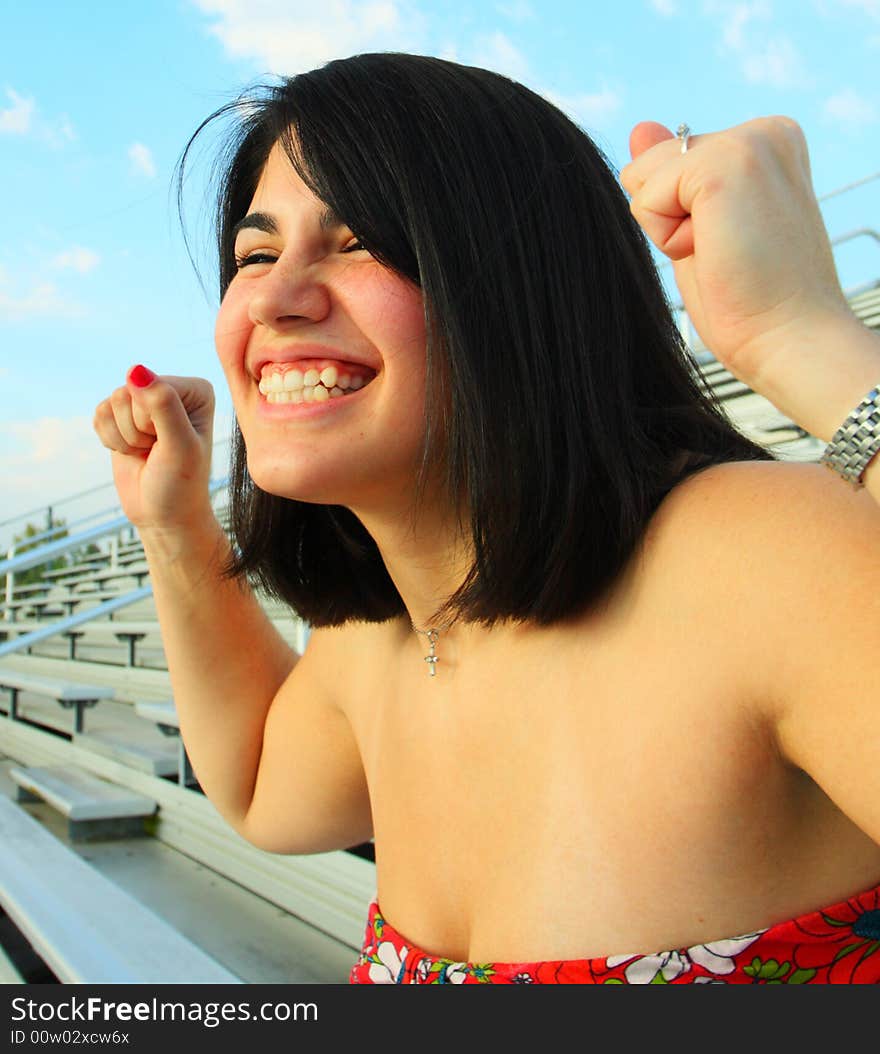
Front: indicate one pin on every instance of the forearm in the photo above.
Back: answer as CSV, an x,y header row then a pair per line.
x,y
818,376
225,658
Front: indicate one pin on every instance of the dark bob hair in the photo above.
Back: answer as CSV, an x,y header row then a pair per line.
x,y
562,403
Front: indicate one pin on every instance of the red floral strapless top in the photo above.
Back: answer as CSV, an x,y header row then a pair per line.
x,y
835,945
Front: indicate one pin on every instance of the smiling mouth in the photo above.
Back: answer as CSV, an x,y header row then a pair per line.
x,y
305,383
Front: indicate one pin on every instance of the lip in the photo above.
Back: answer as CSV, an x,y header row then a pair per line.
x,y
296,352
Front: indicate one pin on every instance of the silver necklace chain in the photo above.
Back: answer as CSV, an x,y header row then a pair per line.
x,y
433,636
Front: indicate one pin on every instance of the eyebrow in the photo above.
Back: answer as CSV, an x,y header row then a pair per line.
x,y
262,221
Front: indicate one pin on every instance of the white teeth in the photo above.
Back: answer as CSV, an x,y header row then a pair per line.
x,y
294,386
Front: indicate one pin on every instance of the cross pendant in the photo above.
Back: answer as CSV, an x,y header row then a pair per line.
x,y
431,658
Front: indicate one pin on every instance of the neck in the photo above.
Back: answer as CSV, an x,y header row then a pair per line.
x,y
427,556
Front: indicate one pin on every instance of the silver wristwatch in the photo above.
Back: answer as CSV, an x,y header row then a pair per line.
x,y
856,441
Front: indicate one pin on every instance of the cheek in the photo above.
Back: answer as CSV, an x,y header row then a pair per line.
x,y
399,327
231,329
405,310
388,309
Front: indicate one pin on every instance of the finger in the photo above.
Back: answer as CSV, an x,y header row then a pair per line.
x,y
197,396
652,145
673,235
176,409
123,412
657,207
645,135
108,432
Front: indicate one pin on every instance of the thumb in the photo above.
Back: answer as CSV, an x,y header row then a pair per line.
x,y
645,135
171,408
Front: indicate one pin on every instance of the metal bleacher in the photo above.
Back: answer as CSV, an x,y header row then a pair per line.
x,y
751,412
88,734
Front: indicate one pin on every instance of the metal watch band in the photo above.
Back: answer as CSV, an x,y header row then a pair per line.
x,y
857,440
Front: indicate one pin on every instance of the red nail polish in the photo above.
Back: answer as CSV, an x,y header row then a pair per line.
x,y
141,377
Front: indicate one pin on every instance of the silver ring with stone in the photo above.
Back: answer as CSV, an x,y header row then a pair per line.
x,y
683,132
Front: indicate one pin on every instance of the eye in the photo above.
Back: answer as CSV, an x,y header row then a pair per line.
x,y
247,259
355,246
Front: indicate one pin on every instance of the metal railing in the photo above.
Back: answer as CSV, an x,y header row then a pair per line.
x,y
25,640
49,514
51,550
48,511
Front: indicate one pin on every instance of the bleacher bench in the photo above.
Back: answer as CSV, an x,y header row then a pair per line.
x,y
156,759
128,633
137,569
95,808
65,693
38,605
61,573
86,928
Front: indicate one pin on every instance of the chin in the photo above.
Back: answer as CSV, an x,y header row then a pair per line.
x,y
279,481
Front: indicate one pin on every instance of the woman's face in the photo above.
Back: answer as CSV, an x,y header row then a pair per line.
x,y
323,349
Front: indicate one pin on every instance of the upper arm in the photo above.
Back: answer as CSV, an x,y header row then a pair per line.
x,y
810,553
310,793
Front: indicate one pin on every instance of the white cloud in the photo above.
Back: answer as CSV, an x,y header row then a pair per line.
x,y
44,460
77,259
775,62
590,109
735,19
870,7
764,57
289,36
21,117
60,132
516,10
667,8
497,52
16,119
42,300
47,459
141,159
850,109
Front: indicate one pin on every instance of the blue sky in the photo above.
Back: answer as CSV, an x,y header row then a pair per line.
x,y
98,98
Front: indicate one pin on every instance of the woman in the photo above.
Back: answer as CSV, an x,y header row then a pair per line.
x,y
595,671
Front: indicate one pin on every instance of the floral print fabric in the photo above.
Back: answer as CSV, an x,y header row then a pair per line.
x,y
836,945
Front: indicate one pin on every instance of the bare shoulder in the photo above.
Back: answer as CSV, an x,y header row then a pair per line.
x,y
778,545
737,482
340,660
746,509
785,558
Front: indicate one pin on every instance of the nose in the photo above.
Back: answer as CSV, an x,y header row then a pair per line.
x,y
288,292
